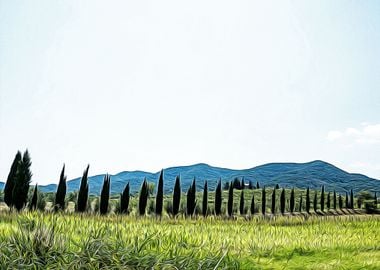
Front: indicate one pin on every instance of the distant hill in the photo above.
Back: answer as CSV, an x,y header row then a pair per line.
x,y
300,175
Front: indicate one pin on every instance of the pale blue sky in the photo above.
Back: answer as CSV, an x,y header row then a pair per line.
x,y
127,85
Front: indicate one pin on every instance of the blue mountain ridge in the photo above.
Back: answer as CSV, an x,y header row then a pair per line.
x,y
299,175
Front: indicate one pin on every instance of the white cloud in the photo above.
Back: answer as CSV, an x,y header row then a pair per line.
x,y
366,134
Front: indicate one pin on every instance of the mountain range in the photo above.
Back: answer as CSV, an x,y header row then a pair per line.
x,y
299,175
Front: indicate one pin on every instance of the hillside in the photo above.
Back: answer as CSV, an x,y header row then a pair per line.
x,y
300,175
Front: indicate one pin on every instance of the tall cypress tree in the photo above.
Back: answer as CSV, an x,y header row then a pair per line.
x,y
352,199
253,204
308,200
346,198
257,185
315,201
61,191
160,194
191,203
292,201
33,203
205,199
22,182
176,195
105,195
282,201
230,202
263,201
11,179
250,186
143,197
334,200
340,202
242,183
218,198
124,200
300,206
323,198
83,191
328,203
241,208
375,199
273,208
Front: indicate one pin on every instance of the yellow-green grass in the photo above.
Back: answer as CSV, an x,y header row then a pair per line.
x,y
55,241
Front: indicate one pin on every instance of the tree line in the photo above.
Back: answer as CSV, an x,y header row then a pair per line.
x,y
19,178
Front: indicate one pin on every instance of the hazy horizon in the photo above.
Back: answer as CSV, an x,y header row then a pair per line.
x,y
146,85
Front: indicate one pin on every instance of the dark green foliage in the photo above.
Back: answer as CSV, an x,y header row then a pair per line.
x,y
21,185
308,200
124,200
160,194
323,198
9,185
226,186
241,205
176,195
328,203
105,195
218,198
143,198
250,186
191,202
257,185
340,201
346,200
334,200
263,200
277,186
352,199
83,192
375,199
205,199
292,201
273,207
282,201
253,204
33,202
61,191
230,202
315,201
236,183
300,206
242,185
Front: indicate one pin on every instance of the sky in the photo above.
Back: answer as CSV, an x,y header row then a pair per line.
x,y
145,85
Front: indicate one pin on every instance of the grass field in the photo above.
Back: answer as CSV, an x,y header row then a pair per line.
x,y
55,241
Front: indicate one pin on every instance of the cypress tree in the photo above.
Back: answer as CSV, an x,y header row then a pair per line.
x,y
308,200
352,199
292,201
160,194
375,199
277,186
257,185
83,191
250,186
323,198
328,203
205,199
61,191
124,200
33,203
263,200
315,206
191,193
176,195
230,202
300,206
218,198
273,208
242,185
105,195
22,182
346,199
241,208
143,197
9,184
334,200
282,201
253,204
340,202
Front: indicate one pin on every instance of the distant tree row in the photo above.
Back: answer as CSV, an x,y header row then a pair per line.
x,y
18,181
